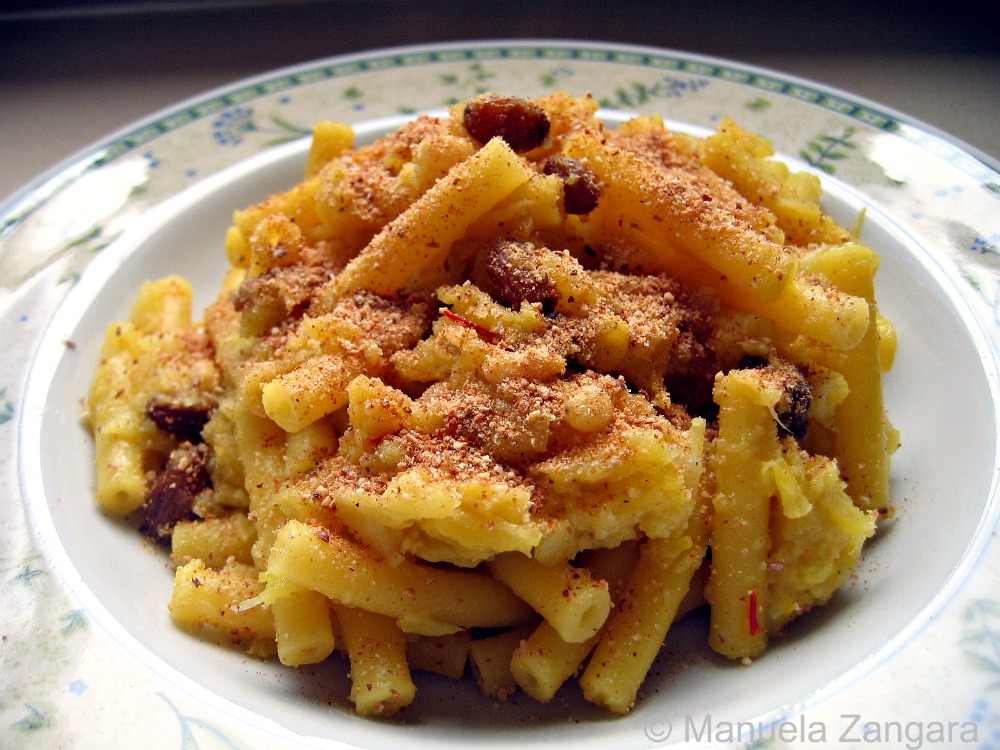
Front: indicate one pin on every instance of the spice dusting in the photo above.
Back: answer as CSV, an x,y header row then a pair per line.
x,y
509,392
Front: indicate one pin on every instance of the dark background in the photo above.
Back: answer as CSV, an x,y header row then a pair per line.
x,y
72,71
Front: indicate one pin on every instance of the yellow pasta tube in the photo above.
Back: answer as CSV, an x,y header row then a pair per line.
x,y
864,439
422,235
445,655
543,662
276,242
635,632
671,213
163,305
422,599
304,633
208,600
828,314
214,540
743,158
821,313
490,658
121,476
849,266
380,676
315,388
888,340
306,448
298,203
740,539
125,442
572,601
261,446
237,248
330,139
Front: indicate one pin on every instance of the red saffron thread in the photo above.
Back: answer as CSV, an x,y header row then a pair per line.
x,y
754,622
485,333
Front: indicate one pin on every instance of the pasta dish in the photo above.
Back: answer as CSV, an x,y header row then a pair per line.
x,y
507,393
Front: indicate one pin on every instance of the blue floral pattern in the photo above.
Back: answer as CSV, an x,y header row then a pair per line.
x,y
6,407
981,643
234,125
29,575
986,245
72,621
986,714
638,93
34,719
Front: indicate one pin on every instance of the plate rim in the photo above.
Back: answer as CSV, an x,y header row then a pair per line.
x,y
47,183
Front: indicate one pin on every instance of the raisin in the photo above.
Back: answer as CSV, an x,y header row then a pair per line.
x,y
580,186
793,408
264,302
796,397
172,494
752,362
514,270
260,304
178,419
520,122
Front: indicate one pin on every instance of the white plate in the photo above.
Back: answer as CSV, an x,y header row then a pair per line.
x,y
89,653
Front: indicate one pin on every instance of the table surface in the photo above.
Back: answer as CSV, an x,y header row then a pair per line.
x,y
73,71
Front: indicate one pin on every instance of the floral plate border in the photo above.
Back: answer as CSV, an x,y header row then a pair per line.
x,y
63,676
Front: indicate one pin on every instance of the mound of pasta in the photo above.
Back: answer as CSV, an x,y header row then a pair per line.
x,y
507,393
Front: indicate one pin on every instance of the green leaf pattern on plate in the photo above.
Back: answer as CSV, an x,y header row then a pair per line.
x,y
824,149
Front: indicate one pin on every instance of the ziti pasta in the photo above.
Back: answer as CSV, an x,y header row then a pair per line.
x,y
502,392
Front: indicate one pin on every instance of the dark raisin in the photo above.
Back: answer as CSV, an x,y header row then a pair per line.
x,y
793,408
695,393
178,419
580,187
172,494
752,362
260,305
514,270
264,302
796,396
520,122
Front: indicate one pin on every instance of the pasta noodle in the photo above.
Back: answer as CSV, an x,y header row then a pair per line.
x,y
654,593
380,677
506,394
